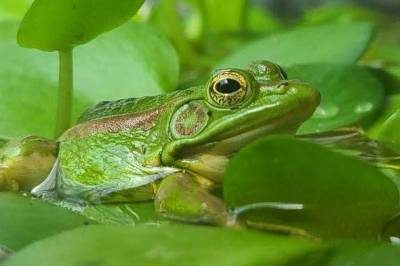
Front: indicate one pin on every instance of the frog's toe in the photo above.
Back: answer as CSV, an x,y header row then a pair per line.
x,y
180,197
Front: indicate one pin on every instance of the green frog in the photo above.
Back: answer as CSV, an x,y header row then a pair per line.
x,y
171,148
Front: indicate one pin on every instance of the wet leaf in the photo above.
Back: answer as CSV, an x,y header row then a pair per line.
x,y
335,43
166,245
25,219
61,25
307,189
348,94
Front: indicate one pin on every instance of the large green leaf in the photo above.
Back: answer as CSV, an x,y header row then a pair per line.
x,y
25,219
284,183
166,245
340,43
348,94
60,25
119,64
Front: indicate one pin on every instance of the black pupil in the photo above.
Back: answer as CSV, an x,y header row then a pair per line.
x,y
227,86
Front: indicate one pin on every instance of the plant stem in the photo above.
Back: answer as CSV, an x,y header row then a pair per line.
x,y
244,18
65,86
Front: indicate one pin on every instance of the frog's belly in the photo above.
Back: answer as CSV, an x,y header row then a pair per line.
x,y
131,188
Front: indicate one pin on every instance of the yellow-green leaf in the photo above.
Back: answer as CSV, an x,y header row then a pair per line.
x,y
60,25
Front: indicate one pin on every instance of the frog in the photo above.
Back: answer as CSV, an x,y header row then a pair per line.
x,y
171,148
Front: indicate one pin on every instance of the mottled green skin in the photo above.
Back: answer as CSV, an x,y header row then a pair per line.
x,y
175,147
106,162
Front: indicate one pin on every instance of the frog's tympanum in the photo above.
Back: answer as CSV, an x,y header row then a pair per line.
x,y
172,148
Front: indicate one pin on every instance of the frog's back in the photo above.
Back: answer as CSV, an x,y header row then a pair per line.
x,y
134,105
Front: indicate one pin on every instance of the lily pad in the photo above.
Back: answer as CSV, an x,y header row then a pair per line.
x,y
25,219
61,25
349,94
122,63
335,43
166,245
303,188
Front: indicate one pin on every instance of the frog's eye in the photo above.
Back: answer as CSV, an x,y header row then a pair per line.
x,y
227,89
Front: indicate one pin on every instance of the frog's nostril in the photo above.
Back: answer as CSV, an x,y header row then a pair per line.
x,y
283,84
281,87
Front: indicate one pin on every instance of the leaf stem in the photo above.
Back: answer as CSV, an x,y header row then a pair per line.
x,y
65,86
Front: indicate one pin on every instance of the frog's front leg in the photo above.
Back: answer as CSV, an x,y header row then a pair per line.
x,y
180,197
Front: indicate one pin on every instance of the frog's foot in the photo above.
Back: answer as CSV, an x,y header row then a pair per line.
x,y
180,197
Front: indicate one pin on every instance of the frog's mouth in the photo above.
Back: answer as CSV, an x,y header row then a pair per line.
x,y
232,140
281,125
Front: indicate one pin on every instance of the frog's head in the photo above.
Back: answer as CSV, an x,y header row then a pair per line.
x,y
237,107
